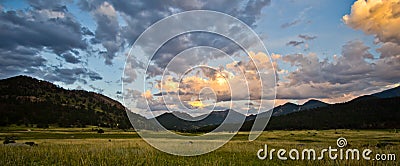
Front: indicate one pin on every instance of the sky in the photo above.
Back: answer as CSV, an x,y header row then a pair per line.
x,y
328,50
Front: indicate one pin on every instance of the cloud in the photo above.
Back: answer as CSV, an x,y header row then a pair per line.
x,y
294,43
147,95
18,60
180,54
353,73
351,65
130,74
70,75
86,31
98,90
70,58
35,30
239,80
307,37
94,76
380,18
252,11
55,5
300,18
356,71
45,27
388,50
107,31
140,15
389,61
388,69
289,24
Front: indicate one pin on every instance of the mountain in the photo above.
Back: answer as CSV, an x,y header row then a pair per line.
x,y
389,93
172,122
288,108
217,117
184,115
29,101
369,113
33,102
393,92
310,104
364,112
376,111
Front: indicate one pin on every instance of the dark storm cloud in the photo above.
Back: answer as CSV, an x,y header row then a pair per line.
x,y
107,31
18,60
55,5
186,41
94,76
86,31
70,76
47,26
139,15
70,58
67,76
21,29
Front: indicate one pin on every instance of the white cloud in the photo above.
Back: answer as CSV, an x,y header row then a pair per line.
x,y
377,17
107,9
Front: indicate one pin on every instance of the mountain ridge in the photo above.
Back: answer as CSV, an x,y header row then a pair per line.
x,y
27,100
315,113
388,93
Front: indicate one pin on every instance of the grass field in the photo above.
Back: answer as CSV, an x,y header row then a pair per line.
x,y
82,146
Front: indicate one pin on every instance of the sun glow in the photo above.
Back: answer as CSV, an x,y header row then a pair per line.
x,y
197,104
147,94
393,85
220,79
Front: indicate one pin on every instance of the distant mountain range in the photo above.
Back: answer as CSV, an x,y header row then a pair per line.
x,y
28,101
379,110
365,112
290,107
172,122
394,92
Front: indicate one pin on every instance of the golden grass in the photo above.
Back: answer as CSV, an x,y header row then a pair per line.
x,y
92,150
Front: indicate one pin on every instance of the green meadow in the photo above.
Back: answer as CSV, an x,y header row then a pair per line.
x,y
83,146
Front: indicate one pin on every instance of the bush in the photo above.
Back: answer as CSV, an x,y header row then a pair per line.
x,y
44,126
100,131
8,140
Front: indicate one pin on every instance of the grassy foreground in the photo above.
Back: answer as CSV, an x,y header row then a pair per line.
x,y
85,147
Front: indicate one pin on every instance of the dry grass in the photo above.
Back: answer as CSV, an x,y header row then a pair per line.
x,y
88,148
